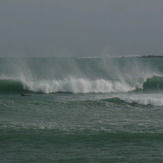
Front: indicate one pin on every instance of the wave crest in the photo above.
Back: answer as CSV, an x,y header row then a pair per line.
x,y
81,85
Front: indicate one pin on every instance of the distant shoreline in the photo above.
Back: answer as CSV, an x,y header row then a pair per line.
x,y
151,56
94,57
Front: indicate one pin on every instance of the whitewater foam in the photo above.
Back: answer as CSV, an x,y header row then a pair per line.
x,y
77,85
80,85
144,99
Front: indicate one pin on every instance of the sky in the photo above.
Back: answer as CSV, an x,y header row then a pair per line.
x,y
84,28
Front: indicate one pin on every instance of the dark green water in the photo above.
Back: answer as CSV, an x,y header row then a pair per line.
x,y
114,116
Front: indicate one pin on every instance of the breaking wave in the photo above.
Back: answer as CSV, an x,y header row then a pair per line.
x,y
80,85
86,75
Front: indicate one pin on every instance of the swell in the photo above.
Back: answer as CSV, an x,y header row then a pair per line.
x,y
80,85
59,136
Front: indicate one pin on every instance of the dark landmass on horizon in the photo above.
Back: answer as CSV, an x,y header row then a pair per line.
x,y
151,56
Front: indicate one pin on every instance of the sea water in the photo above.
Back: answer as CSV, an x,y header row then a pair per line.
x,y
81,110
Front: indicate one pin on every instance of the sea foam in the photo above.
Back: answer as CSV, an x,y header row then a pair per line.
x,y
144,99
78,85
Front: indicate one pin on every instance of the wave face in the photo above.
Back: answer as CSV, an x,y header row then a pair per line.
x,y
154,83
8,86
84,75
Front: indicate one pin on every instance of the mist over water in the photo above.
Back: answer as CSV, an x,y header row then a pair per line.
x,y
78,75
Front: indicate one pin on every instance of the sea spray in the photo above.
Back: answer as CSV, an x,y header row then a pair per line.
x,y
78,85
77,75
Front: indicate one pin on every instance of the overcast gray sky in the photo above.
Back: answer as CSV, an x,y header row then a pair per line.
x,y
80,27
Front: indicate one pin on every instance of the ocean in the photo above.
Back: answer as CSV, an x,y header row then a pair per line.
x,y
81,110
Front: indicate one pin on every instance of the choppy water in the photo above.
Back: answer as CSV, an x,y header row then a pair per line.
x,y
81,110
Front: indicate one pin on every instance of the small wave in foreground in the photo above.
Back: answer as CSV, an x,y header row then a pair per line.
x,y
142,99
